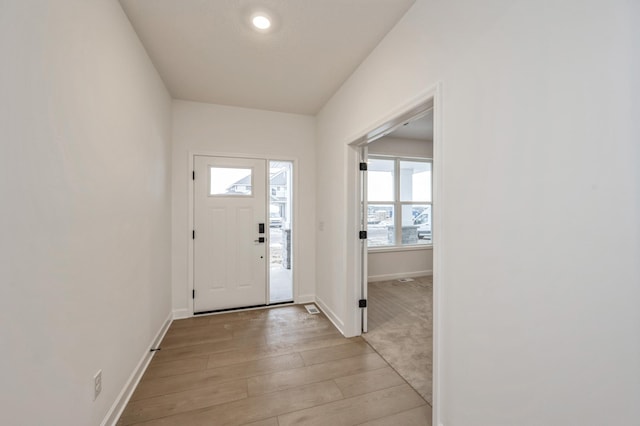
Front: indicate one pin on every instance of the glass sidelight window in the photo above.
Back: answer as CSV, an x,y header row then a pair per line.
x,y
280,231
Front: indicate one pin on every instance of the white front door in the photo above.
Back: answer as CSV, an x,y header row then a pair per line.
x,y
229,250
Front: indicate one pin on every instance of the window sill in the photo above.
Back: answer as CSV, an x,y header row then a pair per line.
x,y
399,248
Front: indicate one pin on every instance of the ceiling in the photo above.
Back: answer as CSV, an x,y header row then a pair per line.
x,y
206,50
421,128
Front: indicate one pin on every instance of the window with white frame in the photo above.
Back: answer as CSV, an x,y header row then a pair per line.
x,y
399,206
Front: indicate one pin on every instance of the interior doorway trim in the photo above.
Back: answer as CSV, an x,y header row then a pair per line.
x,y
189,288
430,98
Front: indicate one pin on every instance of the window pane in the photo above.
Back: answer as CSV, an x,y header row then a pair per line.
x,y
380,225
280,232
416,224
415,181
380,180
230,181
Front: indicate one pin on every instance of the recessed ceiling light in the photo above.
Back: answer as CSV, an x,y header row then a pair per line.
x,y
261,22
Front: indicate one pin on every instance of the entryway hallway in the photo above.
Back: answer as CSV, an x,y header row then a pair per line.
x,y
270,367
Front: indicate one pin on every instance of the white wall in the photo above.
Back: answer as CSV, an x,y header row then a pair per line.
x,y
85,196
391,265
388,265
215,129
540,240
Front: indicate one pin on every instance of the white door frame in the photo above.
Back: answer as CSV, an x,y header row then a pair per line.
x,y
353,326
364,244
191,214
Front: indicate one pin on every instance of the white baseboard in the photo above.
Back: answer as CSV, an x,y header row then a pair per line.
x,y
389,277
305,298
121,401
181,314
331,315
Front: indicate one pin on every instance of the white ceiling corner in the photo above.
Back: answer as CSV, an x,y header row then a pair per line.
x,y
205,50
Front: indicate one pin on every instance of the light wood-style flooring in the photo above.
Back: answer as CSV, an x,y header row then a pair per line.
x,y
270,367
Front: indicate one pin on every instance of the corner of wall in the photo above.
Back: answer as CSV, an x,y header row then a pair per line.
x,y
181,314
335,320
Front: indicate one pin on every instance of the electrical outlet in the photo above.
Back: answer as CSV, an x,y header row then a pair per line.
x,y
97,384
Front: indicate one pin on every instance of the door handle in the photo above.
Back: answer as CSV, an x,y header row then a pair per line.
x,y
259,240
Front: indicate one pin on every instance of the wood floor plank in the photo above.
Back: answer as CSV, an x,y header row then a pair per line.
x,y
277,331
203,328
204,336
208,377
273,421
320,355
172,368
257,315
315,373
368,381
298,335
205,349
256,408
356,410
189,322
270,350
180,402
419,416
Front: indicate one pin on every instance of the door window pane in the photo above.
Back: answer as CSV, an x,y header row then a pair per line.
x,y
415,181
380,225
380,180
230,181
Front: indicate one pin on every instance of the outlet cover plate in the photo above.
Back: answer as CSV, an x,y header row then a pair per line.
x,y
97,384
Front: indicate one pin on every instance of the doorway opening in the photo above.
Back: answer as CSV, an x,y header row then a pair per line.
x,y
399,201
280,195
404,224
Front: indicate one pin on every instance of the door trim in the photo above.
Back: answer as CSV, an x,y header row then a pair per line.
x,y
191,220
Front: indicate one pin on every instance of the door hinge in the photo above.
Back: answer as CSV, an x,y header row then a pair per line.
x,y
362,303
193,234
193,294
363,166
193,175
362,235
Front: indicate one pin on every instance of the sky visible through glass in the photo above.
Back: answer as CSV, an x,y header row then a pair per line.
x,y
380,186
223,177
